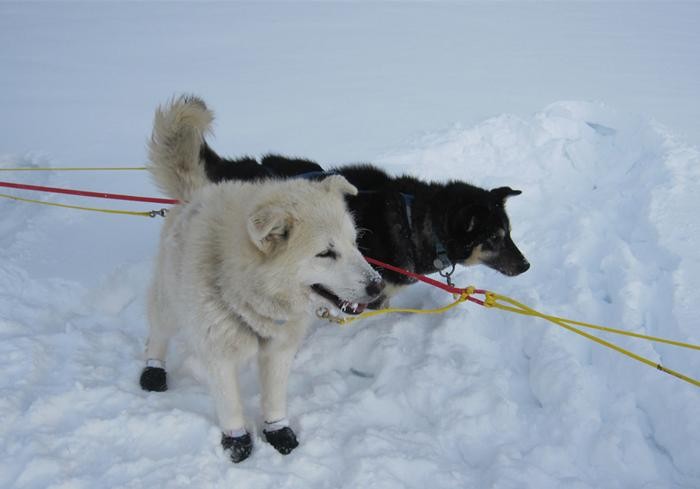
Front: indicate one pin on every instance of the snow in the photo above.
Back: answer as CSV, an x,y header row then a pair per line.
x,y
493,94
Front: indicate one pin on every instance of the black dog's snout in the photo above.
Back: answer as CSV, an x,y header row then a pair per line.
x,y
375,287
521,267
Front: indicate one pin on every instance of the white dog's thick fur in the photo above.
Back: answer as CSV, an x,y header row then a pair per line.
x,y
238,263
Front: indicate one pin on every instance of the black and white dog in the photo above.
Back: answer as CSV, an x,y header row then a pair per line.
x,y
424,227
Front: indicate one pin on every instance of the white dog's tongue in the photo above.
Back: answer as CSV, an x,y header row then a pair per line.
x,y
352,307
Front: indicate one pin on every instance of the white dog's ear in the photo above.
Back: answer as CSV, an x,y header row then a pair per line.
x,y
338,183
268,226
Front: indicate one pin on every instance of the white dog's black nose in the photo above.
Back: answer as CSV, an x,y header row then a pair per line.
x,y
375,287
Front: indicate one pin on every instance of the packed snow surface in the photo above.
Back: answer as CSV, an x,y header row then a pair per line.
x,y
474,398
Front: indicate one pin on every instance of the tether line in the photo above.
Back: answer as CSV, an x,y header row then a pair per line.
x,y
83,208
76,168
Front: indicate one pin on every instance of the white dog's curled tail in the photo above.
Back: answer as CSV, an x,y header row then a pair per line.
x,y
178,135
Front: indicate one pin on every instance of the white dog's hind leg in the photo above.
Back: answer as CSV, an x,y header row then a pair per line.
x,y
275,359
157,347
153,376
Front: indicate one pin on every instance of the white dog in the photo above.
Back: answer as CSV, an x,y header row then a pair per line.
x,y
241,267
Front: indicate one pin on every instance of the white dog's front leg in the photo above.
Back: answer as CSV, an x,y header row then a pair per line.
x,y
275,359
223,383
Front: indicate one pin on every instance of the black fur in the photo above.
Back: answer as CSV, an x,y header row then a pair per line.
x,y
402,220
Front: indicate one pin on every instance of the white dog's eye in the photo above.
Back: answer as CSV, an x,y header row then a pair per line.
x,y
328,254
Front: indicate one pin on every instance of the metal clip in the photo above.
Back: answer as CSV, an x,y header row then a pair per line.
x,y
161,213
448,276
324,313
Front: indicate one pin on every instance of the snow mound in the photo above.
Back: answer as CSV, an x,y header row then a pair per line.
x,y
472,398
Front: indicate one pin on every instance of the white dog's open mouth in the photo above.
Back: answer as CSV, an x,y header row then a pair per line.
x,y
345,306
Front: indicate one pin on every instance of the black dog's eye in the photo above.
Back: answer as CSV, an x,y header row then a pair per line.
x,y
493,241
328,254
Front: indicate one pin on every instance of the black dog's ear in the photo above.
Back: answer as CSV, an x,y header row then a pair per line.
x,y
468,218
502,193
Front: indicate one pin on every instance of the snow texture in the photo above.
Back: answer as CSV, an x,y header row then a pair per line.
x,y
472,398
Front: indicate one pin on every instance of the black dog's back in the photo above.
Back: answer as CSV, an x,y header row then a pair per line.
x,y
289,167
221,169
246,168
365,177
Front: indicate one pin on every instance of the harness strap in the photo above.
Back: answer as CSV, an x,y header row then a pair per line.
x,y
316,175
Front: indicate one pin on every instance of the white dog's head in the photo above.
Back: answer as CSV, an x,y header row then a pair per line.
x,y
308,239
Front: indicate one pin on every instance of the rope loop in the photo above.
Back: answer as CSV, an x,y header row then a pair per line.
x,y
490,299
468,292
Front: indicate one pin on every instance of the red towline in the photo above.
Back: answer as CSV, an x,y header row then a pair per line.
x,y
447,288
155,200
85,193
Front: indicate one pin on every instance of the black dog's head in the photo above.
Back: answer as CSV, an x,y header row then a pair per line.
x,y
480,232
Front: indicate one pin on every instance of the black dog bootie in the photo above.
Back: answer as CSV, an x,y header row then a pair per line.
x,y
284,440
154,379
239,447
